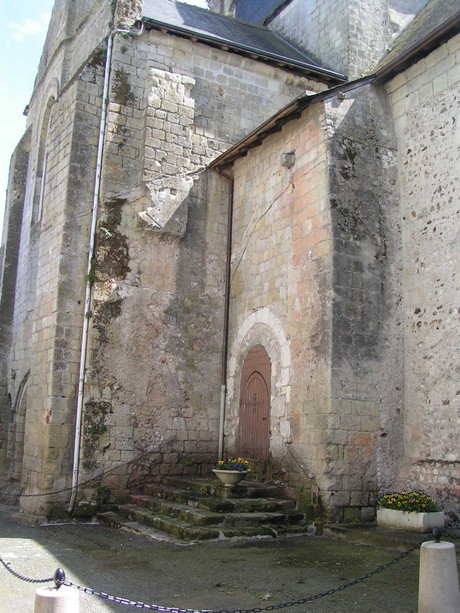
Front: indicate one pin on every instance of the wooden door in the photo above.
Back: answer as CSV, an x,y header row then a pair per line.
x,y
253,438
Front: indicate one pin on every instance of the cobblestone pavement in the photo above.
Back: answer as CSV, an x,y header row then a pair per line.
x,y
225,575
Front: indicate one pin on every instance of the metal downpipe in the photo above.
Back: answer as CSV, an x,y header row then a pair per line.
x,y
92,242
223,388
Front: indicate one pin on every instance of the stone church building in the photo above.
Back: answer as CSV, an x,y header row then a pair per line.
x,y
235,230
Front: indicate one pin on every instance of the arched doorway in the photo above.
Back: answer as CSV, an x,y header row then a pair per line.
x,y
17,431
253,438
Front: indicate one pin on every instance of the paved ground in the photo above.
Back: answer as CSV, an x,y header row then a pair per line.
x,y
225,575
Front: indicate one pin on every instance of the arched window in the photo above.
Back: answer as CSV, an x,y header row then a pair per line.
x,y
42,163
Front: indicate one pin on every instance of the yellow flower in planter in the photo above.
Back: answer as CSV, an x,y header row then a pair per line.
x,y
413,502
239,464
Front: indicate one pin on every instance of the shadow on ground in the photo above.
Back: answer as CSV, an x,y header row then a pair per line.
x,y
228,575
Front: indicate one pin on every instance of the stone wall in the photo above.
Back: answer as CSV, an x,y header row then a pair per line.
x,y
156,336
10,245
348,36
55,200
281,293
425,103
5,417
224,7
153,376
60,246
8,278
364,438
319,263
315,280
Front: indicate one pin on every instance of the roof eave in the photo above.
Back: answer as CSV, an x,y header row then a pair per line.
x,y
275,123
308,70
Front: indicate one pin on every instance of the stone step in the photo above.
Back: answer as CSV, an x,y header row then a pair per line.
x,y
142,521
203,517
217,504
194,515
194,509
213,487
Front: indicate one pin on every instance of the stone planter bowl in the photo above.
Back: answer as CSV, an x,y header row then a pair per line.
x,y
230,478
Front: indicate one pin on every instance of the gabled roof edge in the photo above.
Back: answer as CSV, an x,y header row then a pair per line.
x,y
423,47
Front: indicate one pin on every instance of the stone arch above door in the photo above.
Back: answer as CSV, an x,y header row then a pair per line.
x,y
261,328
258,328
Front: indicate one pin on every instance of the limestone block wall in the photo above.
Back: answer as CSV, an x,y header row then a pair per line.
x,y
175,105
315,280
53,185
51,351
33,320
281,296
224,7
401,13
348,36
364,441
154,372
10,247
5,409
153,377
57,31
425,104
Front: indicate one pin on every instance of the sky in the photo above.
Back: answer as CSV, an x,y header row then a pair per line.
x,y
25,23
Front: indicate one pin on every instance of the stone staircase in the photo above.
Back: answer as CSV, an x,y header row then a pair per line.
x,y
194,509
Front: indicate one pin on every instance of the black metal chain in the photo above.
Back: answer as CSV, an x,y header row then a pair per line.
x,y
22,577
59,579
92,480
284,605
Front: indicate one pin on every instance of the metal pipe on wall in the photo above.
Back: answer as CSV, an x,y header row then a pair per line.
x,y
91,248
223,388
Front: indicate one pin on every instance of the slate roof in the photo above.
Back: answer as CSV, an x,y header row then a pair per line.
x,y
257,11
233,34
439,20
